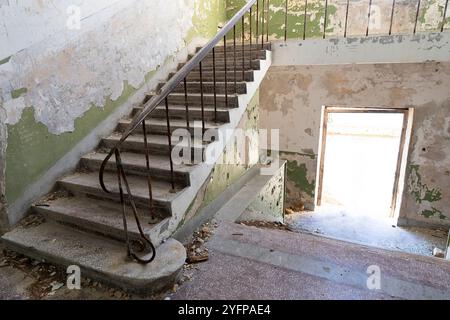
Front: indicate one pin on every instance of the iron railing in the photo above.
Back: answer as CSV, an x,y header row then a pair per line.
x,y
162,97
440,27
258,14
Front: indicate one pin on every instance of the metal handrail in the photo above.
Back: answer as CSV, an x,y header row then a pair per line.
x,y
173,82
182,74
155,101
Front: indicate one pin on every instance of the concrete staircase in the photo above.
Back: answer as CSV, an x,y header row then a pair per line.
x,y
82,225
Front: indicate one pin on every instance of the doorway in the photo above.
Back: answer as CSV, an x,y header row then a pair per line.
x,y
360,178
360,163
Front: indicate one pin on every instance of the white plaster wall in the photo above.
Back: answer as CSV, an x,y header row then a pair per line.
x,y
292,98
372,49
66,71
27,22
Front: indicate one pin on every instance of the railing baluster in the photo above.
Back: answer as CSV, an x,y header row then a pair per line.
x,y
444,18
368,17
392,17
234,58
286,20
417,17
214,83
169,138
226,70
243,49
268,19
325,19
346,19
263,16
149,179
251,36
122,202
304,20
202,103
257,22
122,175
186,104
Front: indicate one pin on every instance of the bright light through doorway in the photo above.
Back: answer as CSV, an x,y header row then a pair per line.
x,y
360,161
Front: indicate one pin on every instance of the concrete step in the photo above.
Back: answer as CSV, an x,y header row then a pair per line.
x,y
208,87
135,164
220,65
254,46
99,258
159,126
194,113
194,99
157,144
247,76
255,54
81,183
100,217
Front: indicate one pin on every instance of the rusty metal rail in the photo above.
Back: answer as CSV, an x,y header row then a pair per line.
x,y
346,19
162,97
258,19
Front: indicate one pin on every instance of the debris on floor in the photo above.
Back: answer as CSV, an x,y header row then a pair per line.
x,y
32,220
196,251
296,207
45,275
438,253
266,224
47,281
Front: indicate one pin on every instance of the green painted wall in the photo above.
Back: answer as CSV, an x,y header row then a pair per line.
x,y
209,15
32,150
295,18
423,194
430,17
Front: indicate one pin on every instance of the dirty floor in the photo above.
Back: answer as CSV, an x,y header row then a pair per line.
x,y
341,223
259,261
22,278
248,262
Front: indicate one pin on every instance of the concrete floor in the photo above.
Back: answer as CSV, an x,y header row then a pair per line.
x,y
22,281
252,263
341,223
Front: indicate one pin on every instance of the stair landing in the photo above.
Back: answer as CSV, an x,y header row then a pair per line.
x,y
98,257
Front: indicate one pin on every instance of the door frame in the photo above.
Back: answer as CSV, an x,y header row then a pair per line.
x,y
402,154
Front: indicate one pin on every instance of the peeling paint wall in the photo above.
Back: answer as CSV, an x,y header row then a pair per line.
x,y
292,98
269,203
429,19
58,83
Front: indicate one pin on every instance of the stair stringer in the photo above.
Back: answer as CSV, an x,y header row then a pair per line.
x,y
198,176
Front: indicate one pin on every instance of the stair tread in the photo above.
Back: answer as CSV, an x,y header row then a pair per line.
x,y
220,58
98,257
96,211
221,95
209,82
139,160
191,108
257,46
155,139
138,185
175,123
